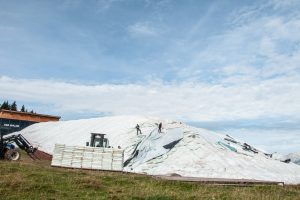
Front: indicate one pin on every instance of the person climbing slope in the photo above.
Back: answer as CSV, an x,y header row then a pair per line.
x,y
138,130
159,127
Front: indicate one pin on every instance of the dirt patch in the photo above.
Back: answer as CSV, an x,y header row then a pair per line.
x,y
42,155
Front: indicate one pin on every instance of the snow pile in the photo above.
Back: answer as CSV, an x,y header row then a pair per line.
x,y
179,149
294,157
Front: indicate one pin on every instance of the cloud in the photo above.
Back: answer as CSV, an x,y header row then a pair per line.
x,y
100,5
186,101
279,4
70,4
142,29
259,38
103,5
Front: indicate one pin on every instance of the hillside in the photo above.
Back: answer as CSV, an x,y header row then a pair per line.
x,y
180,149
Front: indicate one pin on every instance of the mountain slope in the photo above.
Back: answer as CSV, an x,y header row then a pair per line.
x,y
179,149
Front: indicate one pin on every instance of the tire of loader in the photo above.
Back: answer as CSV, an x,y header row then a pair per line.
x,y
12,155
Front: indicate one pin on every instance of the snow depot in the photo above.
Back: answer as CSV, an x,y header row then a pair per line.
x,y
175,149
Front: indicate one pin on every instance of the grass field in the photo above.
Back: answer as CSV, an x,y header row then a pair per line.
x,y
29,179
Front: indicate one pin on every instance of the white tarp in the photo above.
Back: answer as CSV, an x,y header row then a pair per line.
x,y
180,149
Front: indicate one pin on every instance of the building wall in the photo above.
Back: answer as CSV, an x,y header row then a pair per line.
x,y
27,116
12,125
12,121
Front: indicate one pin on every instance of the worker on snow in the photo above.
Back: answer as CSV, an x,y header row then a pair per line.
x,y
159,127
138,130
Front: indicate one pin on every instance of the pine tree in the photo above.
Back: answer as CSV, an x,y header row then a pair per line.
x,y
5,105
13,106
8,105
23,109
32,111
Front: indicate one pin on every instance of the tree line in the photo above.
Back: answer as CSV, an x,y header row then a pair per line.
x,y
14,107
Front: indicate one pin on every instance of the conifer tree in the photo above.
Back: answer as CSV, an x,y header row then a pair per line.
x,y
8,105
5,105
13,106
2,105
23,109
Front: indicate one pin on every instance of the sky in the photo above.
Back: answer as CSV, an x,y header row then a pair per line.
x,y
231,66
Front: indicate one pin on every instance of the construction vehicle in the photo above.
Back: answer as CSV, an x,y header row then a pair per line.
x,y
8,149
98,140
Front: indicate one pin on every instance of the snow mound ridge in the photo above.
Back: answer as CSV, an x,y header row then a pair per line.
x,y
178,149
293,157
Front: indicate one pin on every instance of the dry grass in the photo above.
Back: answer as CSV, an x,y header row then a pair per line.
x,y
29,179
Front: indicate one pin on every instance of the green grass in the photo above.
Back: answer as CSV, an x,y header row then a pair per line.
x,y
29,179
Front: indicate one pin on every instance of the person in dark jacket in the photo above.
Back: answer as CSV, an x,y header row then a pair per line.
x,y
138,130
159,127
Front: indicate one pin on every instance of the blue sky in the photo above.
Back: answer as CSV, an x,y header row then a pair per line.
x,y
231,66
